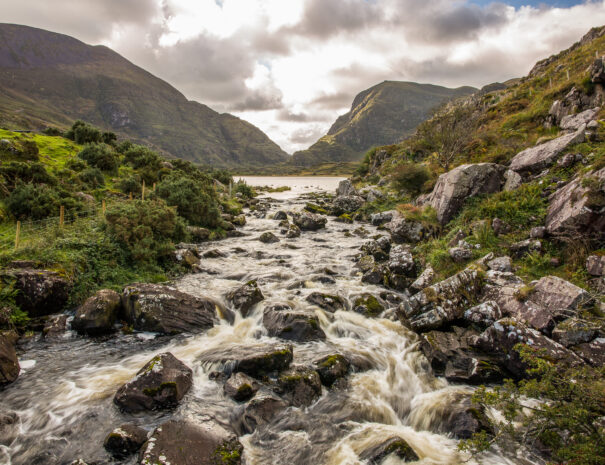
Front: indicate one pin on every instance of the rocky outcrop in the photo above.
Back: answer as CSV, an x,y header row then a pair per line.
x,y
163,309
299,386
597,71
160,384
535,159
9,363
98,314
346,204
404,231
284,322
181,442
345,188
125,440
393,446
577,121
245,297
240,387
595,265
454,187
308,221
504,264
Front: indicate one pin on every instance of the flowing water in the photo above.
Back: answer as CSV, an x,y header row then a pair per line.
x,y
63,396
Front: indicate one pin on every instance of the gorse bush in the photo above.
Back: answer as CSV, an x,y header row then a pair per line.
x,y
100,156
33,201
410,177
15,172
244,189
130,185
92,178
84,133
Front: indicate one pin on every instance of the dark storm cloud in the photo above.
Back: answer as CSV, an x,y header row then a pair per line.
x,y
306,135
259,101
334,101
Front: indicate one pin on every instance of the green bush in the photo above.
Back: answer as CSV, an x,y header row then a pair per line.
x,y
84,133
92,178
33,201
130,185
76,164
410,177
244,189
139,156
146,229
100,156
15,172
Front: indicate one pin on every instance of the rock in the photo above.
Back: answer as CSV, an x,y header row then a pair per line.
x,y
98,313
293,231
331,368
593,352
513,180
501,338
504,264
280,215
245,297
180,442
188,257
300,386
55,327
538,232
257,361
535,159
458,237
309,222
39,292
368,305
87,198
260,411
577,207
345,188
125,440
300,326
9,363
268,238
597,71
374,275
346,204
574,331
500,227
379,249
239,220
214,253
519,249
454,187
329,302
163,309
425,279
575,122
9,428
393,446
404,231
240,387
381,218
465,420
484,314
443,302
595,265
198,234
460,254
160,384
401,261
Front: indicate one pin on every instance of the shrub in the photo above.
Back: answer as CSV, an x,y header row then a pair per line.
x,y
139,156
92,177
84,133
130,185
146,229
100,156
410,177
109,138
76,164
15,172
33,201
244,189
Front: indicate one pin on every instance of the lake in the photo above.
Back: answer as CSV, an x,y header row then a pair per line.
x,y
298,184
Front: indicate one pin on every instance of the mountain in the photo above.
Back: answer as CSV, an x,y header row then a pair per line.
x,y
53,79
380,115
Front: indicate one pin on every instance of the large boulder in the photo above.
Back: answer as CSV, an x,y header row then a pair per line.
x,y
160,384
9,363
308,221
346,204
577,208
404,231
125,440
300,386
243,298
534,159
163,309
575,122
98,314
345,188
268,237
259,411
444,302
181,442
455,186
39,292
595,265
284,322
597,71
257,361
393,446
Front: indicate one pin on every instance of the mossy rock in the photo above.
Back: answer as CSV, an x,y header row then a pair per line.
x,y
368,305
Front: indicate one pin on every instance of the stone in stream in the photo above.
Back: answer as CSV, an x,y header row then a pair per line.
x,y
98,313
268,237
182,442
245,297
300,386
346,204
164,309
331,368
464,420
9,363
328,302
160,384
280,215
9,427
375,275
379,249
55,327
283,322
125,440
395,446
240,387
368,305
293,231
259,411
308,221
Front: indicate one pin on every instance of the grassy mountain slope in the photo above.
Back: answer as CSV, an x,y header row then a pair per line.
x,y
52,79
380,115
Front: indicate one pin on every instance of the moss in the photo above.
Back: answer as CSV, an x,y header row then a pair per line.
x,y
168,386
371,304
331,361
314,208
228,453
524,293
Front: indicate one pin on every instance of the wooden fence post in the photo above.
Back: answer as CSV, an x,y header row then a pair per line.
x,y
153,187
230,189
143,191
61,216
103,206
17,235
130,196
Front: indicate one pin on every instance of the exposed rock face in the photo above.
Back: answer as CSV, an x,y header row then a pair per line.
x,y
268,237
595,265
574,331
597,71
593,352
535,159
180,442
125,440
40,292
346,204
163,309
309,222
513,180
444,302
9,363
392,446
245,297
454,187
484,314
332,368
98,314
300,326
401,261
345,188
404,231
256,361
575,209
378,219
425,279
260,411
575,122
501,264
160,384
328,302
240,387
300,386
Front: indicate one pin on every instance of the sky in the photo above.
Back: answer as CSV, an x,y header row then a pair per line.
x,y
292,66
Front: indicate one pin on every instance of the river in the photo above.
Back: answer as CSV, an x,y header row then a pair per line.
x,y
64,393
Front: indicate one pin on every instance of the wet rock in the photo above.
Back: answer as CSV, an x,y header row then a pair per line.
x,y
465,420
39,292
539,232
454,187
98,313
188,257
404,231
181,442
535,159
346,204
577,207
280,215
293,231
259,411
55,327
443,302
309,222
160,384
401,261
574,331
239,220
125,440
198,234
368,305
379,249
460,254
163,309
331,368
214,253
595,265
245,297
374,275
300,386
425,279
378,219
9,363
345,188
9,427
577,121
300,326
522,248
504,264
240,387
393,446
593,352
257,361
328,302
268,238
